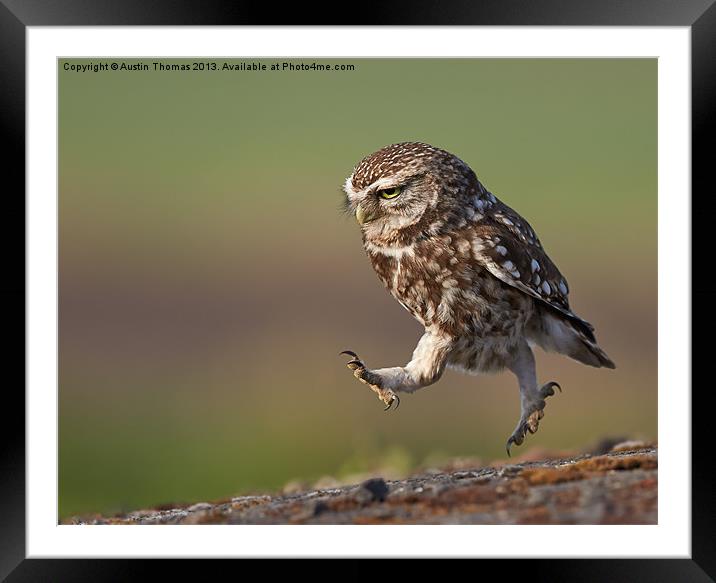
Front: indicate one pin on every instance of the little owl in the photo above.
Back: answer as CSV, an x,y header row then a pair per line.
x,y
467,267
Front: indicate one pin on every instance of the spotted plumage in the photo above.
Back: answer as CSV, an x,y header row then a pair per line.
x,y
469,268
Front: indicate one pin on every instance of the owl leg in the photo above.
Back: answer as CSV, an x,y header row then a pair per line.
x,y
425,368
532,399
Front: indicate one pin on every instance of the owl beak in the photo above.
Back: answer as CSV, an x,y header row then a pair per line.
x,y
361,215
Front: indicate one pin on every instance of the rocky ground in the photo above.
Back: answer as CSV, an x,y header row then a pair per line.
x,y
610,485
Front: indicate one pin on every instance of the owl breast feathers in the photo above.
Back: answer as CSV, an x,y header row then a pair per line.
x,y
462,262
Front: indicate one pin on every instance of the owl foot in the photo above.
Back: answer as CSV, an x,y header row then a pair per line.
x,y
372,380
531,415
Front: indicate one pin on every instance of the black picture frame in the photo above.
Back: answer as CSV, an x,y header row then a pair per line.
x,y
699,15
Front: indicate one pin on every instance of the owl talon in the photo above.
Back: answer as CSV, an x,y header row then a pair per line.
x,y
355,363
529,422
517,437
395,399
510,441
547,389
372,380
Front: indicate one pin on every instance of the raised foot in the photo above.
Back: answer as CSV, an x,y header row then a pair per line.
x,y
531,415
366,376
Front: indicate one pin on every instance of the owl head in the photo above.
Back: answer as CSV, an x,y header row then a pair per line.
x,y
405,189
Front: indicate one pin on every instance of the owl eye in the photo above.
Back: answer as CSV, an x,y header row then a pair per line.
x,y
389,193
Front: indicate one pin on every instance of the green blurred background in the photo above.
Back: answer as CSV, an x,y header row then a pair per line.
x,y
208,278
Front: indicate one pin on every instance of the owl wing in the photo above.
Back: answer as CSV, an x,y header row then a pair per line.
x,y
510,250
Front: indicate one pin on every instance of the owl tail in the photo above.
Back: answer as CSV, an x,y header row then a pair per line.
x,y
572,337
